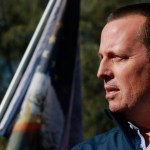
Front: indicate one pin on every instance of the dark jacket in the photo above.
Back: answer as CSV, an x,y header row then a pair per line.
x,y
116,139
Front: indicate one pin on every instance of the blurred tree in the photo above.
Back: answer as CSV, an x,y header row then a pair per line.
x,y
18,19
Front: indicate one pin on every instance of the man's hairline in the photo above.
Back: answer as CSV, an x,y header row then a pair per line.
x,y
142,26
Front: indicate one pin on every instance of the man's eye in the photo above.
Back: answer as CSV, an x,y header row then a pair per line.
x,y
119,58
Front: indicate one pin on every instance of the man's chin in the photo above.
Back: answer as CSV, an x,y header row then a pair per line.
x,y
118,110
125,112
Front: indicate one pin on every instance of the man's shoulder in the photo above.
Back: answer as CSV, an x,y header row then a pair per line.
x,y
112,139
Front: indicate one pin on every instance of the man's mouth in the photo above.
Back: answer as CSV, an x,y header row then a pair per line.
x,y
111,92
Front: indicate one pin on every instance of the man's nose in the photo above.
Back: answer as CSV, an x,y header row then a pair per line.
x,y
105,70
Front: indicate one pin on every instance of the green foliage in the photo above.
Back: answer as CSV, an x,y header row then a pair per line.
x,y
3,143
18,19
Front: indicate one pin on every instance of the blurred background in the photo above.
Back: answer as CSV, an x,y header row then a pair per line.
x,y
18,20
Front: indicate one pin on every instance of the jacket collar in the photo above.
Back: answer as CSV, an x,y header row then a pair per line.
x,y
122,124
119,120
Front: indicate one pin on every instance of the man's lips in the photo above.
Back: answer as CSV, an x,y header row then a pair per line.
x,y
111,91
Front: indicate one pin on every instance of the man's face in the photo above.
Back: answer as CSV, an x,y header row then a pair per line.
x,y
125,65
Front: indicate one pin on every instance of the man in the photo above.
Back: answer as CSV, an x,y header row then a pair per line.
x,y
125,68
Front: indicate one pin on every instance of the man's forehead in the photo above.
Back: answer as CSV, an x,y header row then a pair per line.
x,y
122,33
128,20
130,23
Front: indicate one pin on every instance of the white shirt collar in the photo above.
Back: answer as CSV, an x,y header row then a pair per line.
x,y
143,143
